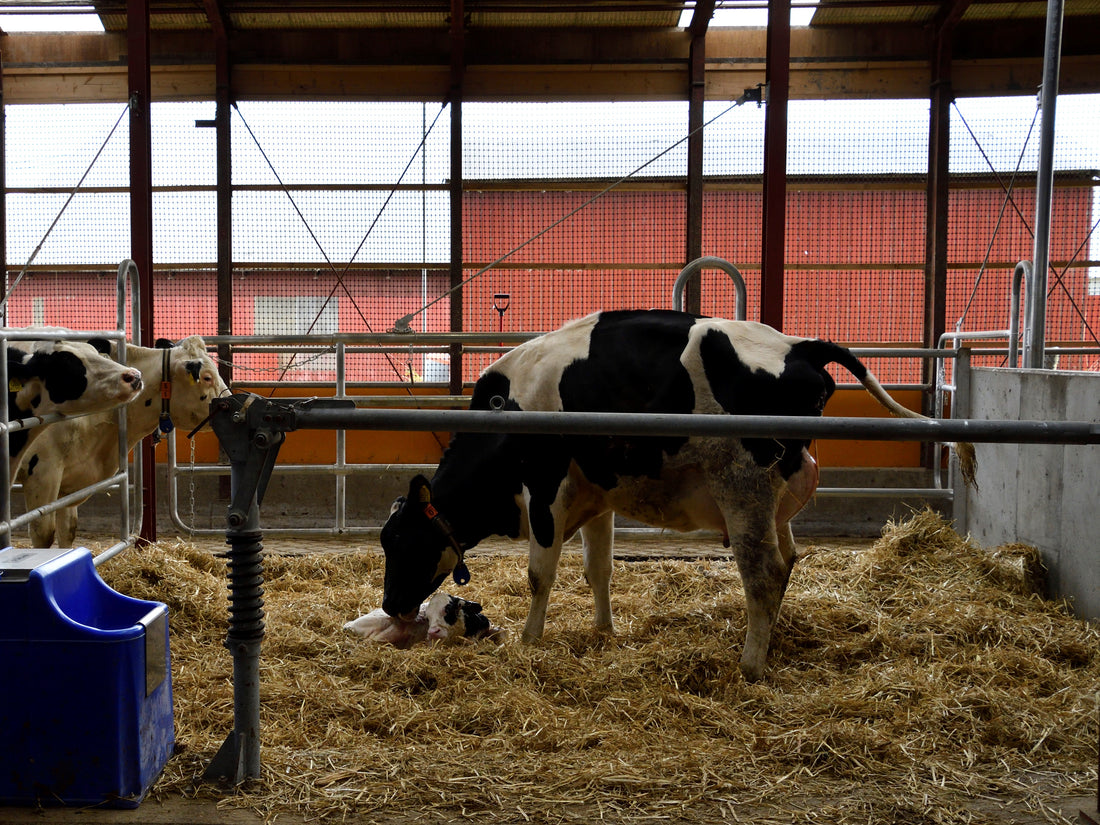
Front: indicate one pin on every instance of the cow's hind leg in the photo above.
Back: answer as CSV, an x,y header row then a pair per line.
x,y
597,541
764,575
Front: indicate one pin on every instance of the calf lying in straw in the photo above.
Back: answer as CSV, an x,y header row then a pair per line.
x,y
442,619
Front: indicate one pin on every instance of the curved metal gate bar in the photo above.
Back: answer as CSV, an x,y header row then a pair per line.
x,y
707,262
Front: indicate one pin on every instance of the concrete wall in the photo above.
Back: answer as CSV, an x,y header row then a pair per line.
x,y
1047,496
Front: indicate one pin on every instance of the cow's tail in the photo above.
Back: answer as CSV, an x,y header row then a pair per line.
x,y
968,464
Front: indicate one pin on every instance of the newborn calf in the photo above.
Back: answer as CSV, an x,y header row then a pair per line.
x,y
443,618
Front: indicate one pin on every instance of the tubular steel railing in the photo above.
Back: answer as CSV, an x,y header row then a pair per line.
x,y
345,344
127,272
711,262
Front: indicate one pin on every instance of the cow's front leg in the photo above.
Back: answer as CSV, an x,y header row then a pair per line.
x,y
764,575
41,489
43,531
66,527
542,570
597,541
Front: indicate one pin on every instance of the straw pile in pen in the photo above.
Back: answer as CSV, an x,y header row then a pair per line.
x,y
921,680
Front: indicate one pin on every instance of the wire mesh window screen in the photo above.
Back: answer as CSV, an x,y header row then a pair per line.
x,y
350,200
996,144
578,207
343,205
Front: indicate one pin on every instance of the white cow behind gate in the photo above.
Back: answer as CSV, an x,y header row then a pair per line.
x,y
73,454
52,376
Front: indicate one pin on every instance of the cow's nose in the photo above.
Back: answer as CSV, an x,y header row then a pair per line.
x,y
132,377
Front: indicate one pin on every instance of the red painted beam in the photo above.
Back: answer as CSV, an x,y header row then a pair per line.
x,y
778,77
141,217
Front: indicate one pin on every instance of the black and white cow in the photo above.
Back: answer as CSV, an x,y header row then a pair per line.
x,y
73,454
547,487
67,377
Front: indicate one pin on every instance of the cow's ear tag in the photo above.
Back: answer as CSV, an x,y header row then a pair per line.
x,y
425,494
14,385
461,574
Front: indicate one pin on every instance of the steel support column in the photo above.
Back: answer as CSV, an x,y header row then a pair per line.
x,y
223,98
141,218
458,69
697,79
4,189
778,77
1035,328
936,202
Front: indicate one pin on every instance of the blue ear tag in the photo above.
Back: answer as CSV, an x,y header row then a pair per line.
x,y
166,426
461,574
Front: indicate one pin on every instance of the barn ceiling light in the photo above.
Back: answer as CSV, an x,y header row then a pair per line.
x,y
53,17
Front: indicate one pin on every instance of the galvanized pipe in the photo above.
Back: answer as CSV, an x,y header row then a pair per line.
x,y
342,469
728,426
1035,329
127,272
341,443
1020,275
706,262
68,500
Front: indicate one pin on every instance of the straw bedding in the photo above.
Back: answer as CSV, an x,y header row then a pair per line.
x,y
921,680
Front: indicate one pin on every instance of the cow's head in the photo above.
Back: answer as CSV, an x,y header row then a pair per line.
x,y
419,552
68,377
195,381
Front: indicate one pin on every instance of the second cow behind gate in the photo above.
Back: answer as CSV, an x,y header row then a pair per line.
x,y
73,454
548,487
50,376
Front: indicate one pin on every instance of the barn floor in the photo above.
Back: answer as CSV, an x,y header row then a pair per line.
x,y
1049,777
183,811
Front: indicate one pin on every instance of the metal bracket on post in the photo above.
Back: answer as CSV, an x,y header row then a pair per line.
x,y
251,430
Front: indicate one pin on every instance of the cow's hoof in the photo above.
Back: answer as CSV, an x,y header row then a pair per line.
x,y
751,673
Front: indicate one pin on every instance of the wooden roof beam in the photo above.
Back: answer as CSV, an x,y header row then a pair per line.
x,y
700,19
217,19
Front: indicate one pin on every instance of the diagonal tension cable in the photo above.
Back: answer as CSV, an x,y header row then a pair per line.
x,y
401,325
72,194
1004,204
340,283
1059,276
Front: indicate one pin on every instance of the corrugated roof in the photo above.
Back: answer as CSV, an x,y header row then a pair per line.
x,y
564,14
878,12
317,14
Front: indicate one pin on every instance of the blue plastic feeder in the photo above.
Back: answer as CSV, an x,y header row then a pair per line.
x,y
86,684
